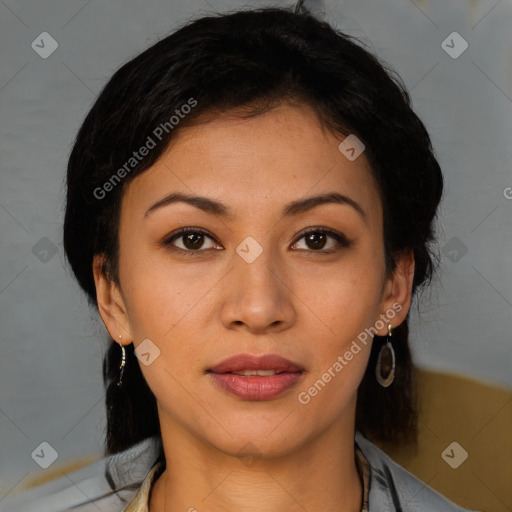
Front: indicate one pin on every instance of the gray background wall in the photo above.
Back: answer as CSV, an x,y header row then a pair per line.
x,y
52,345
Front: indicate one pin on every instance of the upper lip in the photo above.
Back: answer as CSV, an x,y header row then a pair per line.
x,y
241,362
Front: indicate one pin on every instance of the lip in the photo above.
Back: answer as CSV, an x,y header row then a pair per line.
x,y
256,388
241,362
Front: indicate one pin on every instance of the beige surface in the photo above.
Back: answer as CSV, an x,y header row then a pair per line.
x,y
479,418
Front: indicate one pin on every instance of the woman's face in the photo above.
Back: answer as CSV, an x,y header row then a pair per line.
x,y
246,280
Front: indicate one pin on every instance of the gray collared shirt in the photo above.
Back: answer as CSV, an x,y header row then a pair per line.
x,y
390,487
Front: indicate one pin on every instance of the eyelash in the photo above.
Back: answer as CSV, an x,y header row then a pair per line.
x,y
340,238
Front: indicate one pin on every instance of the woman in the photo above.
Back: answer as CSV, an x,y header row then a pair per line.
x,y
250,208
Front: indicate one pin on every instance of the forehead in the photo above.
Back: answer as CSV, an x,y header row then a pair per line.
x,y
256,163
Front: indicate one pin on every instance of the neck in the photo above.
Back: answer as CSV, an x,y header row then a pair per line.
x,y
319,476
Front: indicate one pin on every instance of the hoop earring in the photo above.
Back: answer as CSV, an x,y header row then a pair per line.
x,y
386,358
123,363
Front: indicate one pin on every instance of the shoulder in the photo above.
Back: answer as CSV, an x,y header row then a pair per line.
x,y
89,488
393,488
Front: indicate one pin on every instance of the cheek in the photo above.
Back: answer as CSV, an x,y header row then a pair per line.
x,y
347,299
166,307
340,346
157,298
341,313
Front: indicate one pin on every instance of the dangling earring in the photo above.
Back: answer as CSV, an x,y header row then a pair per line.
x,y
123,363
386,360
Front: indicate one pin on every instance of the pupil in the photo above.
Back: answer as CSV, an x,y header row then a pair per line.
x,y
314,237
192,239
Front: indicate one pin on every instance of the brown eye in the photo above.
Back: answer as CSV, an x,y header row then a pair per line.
x,y
190,240
316,240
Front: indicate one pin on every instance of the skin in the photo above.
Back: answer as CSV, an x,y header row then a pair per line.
x,y
303,305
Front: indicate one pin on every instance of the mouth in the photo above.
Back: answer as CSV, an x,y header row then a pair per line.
x,y
256,378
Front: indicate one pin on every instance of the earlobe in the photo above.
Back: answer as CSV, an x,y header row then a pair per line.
x,y
398,291
110,303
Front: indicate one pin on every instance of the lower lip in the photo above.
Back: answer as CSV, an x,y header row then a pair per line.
x,y
256,387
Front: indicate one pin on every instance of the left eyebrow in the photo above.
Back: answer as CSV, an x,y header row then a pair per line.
x,y
303,205
293,208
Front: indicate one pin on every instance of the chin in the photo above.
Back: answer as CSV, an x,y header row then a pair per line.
x,y
269,435
258,445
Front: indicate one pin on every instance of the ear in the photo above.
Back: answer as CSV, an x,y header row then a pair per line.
x,y
110,303
397,292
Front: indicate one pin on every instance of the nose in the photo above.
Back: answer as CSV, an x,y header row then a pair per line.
x,y
258,295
